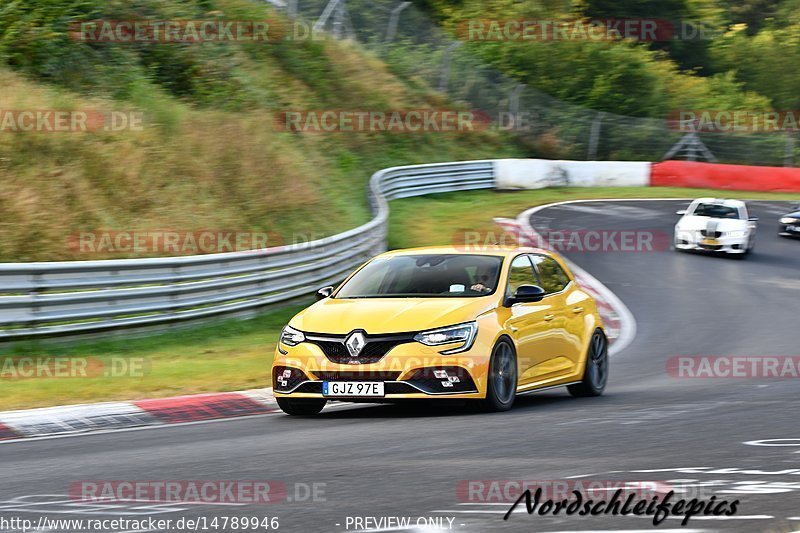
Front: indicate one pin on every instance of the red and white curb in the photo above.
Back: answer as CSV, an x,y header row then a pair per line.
x,y
75,419
617,318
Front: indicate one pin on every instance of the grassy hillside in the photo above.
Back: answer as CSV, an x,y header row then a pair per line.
x,y
207,155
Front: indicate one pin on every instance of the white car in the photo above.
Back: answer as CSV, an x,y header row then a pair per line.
x,y
716,225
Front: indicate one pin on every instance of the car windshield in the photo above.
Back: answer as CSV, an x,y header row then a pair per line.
x,y
425,276
715,211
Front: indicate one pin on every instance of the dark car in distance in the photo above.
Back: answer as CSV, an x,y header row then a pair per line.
x,y
790,223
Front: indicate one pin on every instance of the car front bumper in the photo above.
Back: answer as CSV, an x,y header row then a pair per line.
x,y
789,230
408,371
728,245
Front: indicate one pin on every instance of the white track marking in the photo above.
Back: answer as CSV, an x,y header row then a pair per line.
x,y
339,407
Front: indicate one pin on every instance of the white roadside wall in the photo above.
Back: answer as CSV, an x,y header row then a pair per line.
x,y
540,173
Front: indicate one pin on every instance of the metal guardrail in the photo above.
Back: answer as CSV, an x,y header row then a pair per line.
x,y
58,298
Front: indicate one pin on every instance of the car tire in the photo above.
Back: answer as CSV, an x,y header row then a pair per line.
x,y
501,387
595,374
301,406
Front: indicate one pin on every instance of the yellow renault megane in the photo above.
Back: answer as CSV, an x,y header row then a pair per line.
x,y
443,323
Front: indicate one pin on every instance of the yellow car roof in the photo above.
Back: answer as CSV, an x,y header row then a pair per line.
x,y
495,250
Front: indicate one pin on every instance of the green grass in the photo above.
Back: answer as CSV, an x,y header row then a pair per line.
x,y
224,355
236,354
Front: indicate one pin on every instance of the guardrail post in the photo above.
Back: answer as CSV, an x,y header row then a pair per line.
x,y
34,294
173,285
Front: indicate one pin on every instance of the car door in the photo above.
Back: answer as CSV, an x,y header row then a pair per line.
x,y
751,222
564,338
527,323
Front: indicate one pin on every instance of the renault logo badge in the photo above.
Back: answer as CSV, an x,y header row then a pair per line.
x,y
355,343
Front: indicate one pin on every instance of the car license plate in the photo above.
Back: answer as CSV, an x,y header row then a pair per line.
x,y
710,242
792,228
353,388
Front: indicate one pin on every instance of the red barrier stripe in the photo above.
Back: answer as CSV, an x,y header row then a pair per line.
x,y
729,177
202,407
7,433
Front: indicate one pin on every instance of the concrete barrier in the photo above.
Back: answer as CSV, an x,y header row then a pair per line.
x,y
540,173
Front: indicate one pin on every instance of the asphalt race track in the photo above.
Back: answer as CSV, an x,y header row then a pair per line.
x,y
379,461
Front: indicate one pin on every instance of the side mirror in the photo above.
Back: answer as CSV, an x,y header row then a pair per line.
x,y
753,219
526,294
681,212
324,292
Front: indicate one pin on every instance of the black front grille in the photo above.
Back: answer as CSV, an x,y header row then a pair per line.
x,y
375,347
357,375
403,387
391,387
312,387
712,234
399,387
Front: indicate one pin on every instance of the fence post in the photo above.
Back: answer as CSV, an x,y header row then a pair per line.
x,y
788,153
513,100
448,53
594,136
323,18
394,17
338,20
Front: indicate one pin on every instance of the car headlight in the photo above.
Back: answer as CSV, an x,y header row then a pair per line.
x,y
291,336
736,233
463,333
789,220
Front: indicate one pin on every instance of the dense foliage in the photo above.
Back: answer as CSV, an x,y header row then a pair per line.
x,y
730,54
